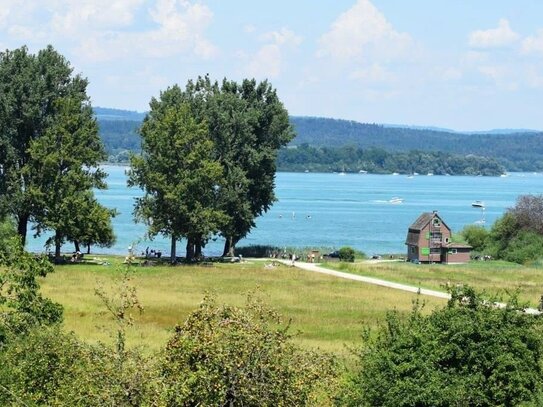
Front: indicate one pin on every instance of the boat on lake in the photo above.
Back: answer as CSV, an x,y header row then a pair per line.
x,y
395,200
478,204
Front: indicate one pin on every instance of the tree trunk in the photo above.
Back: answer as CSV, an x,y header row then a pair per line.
x,y
190,249
76,244
22,225
173,257
57,247
229,247
88,248
198,249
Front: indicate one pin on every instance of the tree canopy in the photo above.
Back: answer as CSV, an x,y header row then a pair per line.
x,y
50,143
178,173
466,354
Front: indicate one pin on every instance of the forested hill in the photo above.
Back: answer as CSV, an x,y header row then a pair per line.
x,y
516,151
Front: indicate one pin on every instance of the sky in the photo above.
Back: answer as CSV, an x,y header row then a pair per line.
x,y
457,64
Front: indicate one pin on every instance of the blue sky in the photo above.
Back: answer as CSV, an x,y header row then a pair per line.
x,y
459,64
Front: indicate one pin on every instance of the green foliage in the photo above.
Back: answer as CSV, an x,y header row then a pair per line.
x,y
518,235
36,365
40,98
21,304
178,174
7,232
258,251
226,355
346,254
476,236
375,160
515,156
469,353
523,247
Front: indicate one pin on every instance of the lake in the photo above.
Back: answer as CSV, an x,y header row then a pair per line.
x,y
333,210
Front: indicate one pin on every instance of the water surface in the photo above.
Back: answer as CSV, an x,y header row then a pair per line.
x,y
333,210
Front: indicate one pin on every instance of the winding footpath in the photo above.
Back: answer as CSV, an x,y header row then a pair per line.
x,y
384,283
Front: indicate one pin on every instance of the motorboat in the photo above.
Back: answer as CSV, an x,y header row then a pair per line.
x,y
395,200
478,204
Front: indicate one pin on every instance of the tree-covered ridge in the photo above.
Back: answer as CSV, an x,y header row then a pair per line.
x,y
515,151
378,161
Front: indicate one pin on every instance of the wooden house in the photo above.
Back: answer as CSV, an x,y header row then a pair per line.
x,y
429,241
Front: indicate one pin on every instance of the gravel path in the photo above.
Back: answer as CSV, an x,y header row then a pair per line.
x,y
370,280
384,283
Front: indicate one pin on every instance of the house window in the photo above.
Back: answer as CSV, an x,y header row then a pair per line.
x,y
436,222
435,250
453,251
412,249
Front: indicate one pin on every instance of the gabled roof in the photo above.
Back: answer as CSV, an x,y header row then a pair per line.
x,y
424,219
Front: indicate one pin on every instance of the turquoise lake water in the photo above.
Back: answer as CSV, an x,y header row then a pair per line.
x,y
333,210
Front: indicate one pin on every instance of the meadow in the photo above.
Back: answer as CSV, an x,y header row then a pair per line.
x,y
327,313
495,278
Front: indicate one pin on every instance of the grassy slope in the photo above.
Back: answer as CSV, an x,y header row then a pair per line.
x,y
329,312
494,277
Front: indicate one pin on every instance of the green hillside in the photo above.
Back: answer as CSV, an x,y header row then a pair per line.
x,y
329,139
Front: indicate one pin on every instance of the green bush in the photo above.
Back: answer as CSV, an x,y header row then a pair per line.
x,y
258,251
239,356
524,247
466,354
346,254
33,367
475,236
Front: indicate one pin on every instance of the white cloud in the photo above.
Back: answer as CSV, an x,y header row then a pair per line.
x,y
180,28
283,37
533,44
266,63
501,36
268,60
360,30
71,18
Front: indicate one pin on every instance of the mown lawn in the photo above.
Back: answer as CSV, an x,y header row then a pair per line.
x,y
494,277
329,312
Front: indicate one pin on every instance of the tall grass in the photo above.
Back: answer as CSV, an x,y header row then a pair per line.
x,y
328,312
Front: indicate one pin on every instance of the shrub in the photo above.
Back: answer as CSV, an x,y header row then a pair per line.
x,y
346,254
475,236
468,353
525,246
226,355
35,366
258,251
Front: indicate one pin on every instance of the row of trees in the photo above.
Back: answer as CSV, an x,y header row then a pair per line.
x,y
376,160
207,165
50,150
517,236
208,161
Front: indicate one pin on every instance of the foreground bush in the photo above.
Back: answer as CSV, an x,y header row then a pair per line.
x,y
225,355
467,354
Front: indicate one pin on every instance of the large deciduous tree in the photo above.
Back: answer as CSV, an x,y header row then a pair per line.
x,y
46,132
248,124
178,173
63,166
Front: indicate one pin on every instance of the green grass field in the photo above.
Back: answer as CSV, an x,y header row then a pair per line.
x,y
494,277
329,312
